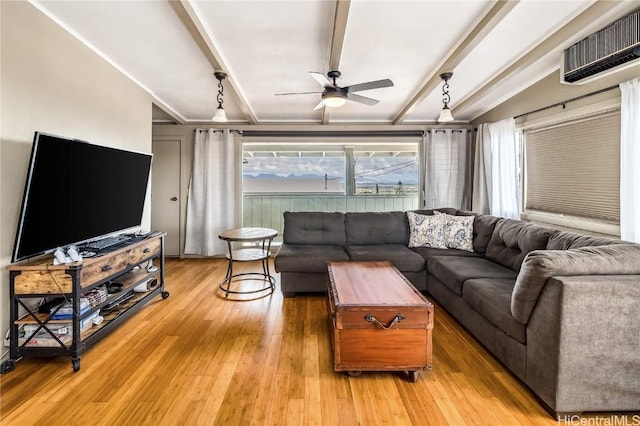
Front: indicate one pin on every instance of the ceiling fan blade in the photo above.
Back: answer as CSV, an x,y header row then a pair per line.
x,y
320,105
321,79
369,85
362,99
296,93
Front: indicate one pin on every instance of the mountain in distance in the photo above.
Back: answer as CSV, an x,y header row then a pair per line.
x,y
289,176
388,179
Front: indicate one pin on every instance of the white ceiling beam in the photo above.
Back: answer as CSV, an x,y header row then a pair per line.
x,y
196,29
337,42
553,42
498,11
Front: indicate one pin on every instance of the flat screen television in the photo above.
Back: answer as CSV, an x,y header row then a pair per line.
x,y
76,192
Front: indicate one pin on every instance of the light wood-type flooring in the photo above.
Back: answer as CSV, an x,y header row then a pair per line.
x,y
196,359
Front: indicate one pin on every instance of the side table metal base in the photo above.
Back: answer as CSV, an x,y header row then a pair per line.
x,y
269,287
258,253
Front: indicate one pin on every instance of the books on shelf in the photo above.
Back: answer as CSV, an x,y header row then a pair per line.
x,y
66,311
44,337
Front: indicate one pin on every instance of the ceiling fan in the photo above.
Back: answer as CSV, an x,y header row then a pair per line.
x,y
336,96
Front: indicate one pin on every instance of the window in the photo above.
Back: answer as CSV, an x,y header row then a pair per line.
x,y
354,169
385,172
573,171
330,177
293,169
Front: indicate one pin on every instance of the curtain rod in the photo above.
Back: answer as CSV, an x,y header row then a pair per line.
x,y
329,133
606,89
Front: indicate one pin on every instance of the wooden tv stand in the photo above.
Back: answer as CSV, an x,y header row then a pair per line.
x,y
39,278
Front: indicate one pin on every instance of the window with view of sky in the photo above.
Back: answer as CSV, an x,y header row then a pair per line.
x,y
356,169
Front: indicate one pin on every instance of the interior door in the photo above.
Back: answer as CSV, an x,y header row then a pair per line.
x,y
165,193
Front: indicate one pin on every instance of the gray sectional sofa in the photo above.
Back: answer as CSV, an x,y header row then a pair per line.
x,y
560,310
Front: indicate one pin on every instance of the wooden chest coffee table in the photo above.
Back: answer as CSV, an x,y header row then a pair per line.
x,y
379,321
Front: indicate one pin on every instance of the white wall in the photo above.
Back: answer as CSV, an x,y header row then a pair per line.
x,y
51,82
549,91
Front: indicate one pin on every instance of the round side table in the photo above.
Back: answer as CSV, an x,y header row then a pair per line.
x,y
262,236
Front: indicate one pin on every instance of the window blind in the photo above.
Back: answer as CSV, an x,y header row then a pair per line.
x,y
573,168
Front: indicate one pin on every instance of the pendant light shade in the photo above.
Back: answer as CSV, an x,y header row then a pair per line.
x,y
220,116
445,114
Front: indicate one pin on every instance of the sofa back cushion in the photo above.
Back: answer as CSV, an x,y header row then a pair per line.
x,y
376,228
324,228
540,265
512,240
569,240
483,227
446,210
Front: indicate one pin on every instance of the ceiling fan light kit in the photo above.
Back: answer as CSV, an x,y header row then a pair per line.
x,y
445,114
220,116
334,99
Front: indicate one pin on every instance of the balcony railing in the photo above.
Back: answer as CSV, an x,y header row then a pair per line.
x,y
266,210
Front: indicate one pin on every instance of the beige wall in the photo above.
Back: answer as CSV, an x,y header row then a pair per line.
x,y
549,91
51,82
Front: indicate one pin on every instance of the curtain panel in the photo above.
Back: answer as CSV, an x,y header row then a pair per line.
x,y
629,160
215,190
496,183
447,178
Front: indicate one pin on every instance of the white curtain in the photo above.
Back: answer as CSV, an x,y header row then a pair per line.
x,y
630,160
496,183
446,169
214,192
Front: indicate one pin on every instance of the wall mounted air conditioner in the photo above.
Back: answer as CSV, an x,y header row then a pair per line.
x,y
608,50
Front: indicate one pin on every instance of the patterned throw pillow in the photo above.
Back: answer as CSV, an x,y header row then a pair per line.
x,y
426,231
458,231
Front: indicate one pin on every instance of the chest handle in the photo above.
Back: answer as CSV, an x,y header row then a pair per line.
x,y
396,319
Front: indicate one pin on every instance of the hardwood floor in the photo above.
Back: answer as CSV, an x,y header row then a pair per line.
x,y
196,358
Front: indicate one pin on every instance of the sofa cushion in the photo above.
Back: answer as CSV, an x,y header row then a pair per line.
x,y
323,228
491,298
307,258
428,252
373,228
426,231
513,239
483,227
453,271
540,265
458,231
568,240
399,255
447,210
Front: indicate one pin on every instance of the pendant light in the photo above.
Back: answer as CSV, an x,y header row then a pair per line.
x,y
445,114
220,116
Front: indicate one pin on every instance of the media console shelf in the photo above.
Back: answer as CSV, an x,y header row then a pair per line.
x,y
39,334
